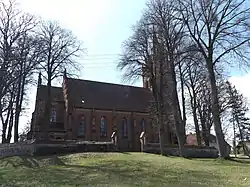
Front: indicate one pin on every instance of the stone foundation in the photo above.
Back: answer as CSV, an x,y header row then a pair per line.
x,y
40,148
16,150
75,147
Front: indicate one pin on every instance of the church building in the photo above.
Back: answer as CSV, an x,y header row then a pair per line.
x,y
92,111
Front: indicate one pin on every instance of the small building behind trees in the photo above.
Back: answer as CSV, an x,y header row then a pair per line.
x,y
192,140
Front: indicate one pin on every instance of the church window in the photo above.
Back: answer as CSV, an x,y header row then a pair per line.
x,y
53,115
103,127
82,101
81,131
124,127
142,125
93,125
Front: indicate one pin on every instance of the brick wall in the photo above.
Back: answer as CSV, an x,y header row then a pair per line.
x,y
114,122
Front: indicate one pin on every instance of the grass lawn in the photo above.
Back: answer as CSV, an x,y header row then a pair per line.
x,y
123,169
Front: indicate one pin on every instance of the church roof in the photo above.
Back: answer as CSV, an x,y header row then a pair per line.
x,y
56,93
101,95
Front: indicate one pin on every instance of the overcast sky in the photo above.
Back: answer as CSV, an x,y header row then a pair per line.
x,y
102,25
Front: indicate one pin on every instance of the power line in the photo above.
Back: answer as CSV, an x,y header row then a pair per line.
x,y
98,58
95,65
97,55
98,67
99,63
114,63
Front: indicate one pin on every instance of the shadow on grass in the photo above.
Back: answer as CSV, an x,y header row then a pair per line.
x,y
109,173
225,162
20,161
240,160
130,173
32,162
126,153
139,173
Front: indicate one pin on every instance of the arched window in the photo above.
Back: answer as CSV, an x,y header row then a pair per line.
x,y
93,125
81,131
142,126
124,127
114,124
53,114
103,127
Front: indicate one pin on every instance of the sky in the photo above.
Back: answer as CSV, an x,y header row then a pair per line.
x,y
102,26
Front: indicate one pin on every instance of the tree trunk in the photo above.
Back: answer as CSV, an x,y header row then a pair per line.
x,y
167,124
17,108
193,100
216,111
197,129
161,134
179,127
206,135
10,127
3,136
184,118
6,121
19,104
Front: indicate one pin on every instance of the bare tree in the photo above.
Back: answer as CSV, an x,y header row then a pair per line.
x,y
155,46
220,29
200,96
24,132
14,24
6,106
181,73
27,52
193,82
139,60
163,14
60,50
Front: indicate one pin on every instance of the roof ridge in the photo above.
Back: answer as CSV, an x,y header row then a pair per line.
x,y
115,84
51,86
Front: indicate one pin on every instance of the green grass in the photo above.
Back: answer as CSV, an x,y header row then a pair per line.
x,y
123,169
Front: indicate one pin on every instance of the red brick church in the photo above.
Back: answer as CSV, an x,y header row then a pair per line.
x,y
92,111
